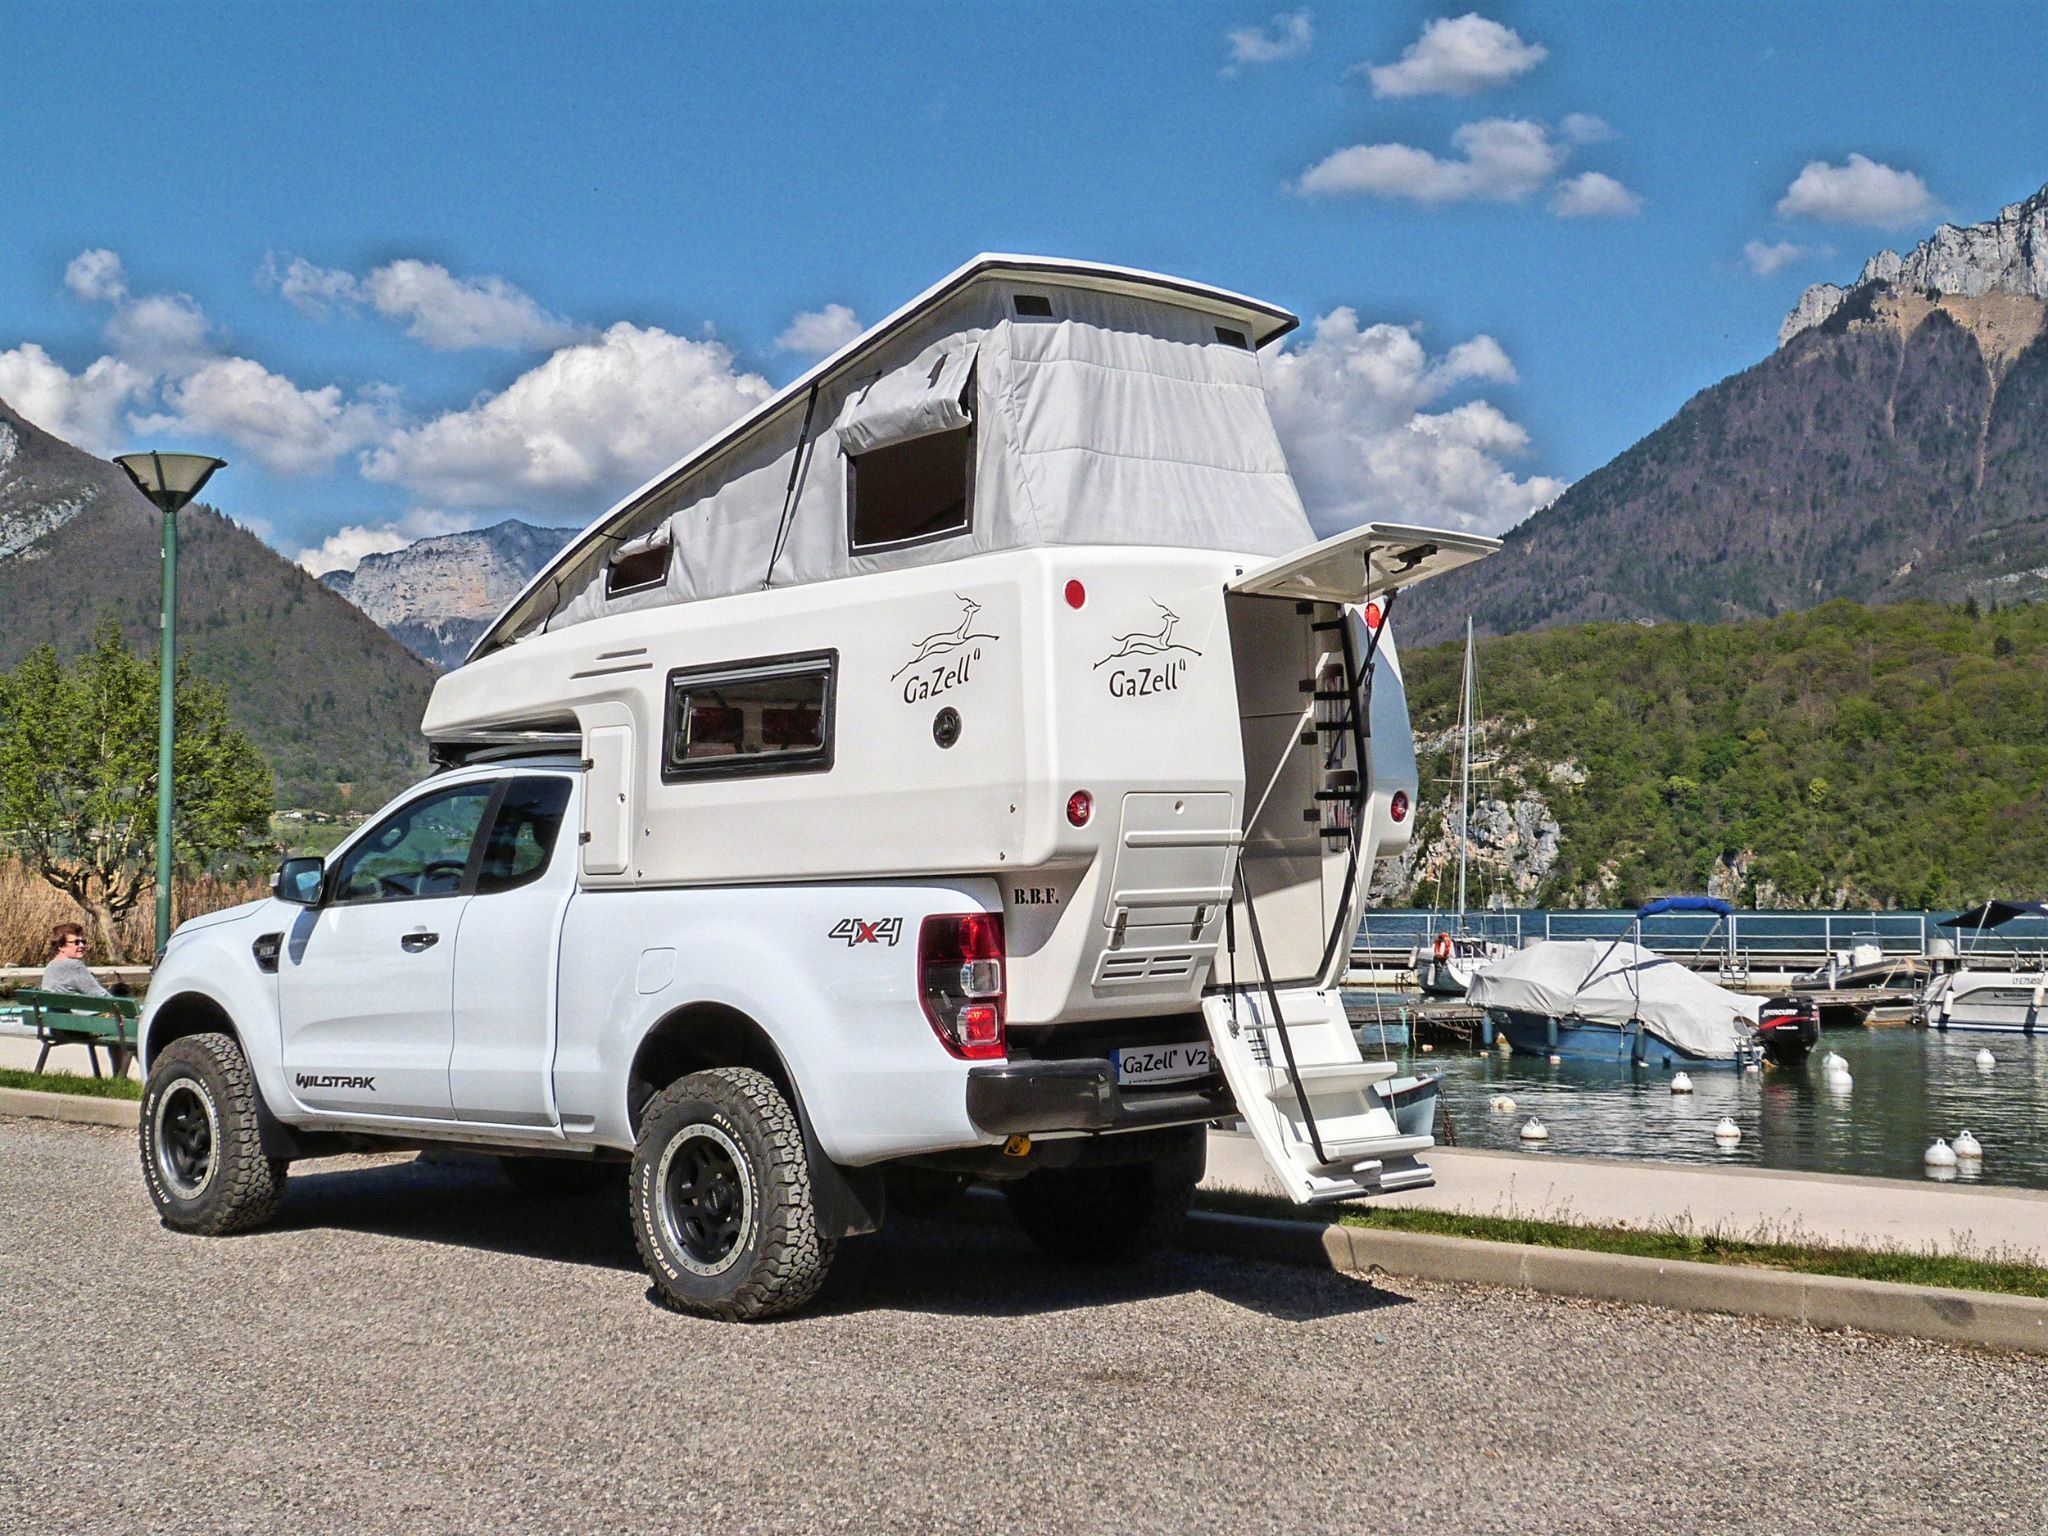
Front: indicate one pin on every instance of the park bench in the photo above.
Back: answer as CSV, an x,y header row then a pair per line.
x,y
68,1018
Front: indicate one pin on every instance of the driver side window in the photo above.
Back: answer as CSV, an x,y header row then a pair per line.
x,y
420,849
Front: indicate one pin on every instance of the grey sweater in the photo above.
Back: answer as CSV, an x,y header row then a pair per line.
x,y
68,975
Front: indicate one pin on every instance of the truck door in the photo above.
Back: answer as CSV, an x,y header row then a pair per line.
x,y
365,979
506,957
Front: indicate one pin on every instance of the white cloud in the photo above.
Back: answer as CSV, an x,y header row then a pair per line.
x,y
1585,128
1858,191
1456,56
158,331
816,332
344,549
1593,194
285,428
313,290
1501,159
590,422
81,408
96,277
449,313
1765,260
1351,405
1288,36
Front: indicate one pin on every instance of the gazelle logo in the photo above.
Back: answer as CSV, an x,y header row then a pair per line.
x,y
856,930
335,1080
1156,661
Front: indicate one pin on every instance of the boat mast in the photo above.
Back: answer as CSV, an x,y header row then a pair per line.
x,y
1465,775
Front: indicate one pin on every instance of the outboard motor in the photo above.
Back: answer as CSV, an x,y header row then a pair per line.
x,y
1788,1027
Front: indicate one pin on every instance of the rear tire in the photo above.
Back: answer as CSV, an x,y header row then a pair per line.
x,y
721,1196
202,1148
558,1178
1107,1215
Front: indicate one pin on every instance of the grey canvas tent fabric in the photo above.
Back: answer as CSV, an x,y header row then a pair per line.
x,y
1615,982
1115,419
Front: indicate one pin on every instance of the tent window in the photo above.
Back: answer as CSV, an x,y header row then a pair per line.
x,y
769,716
1033,306
908,492
637,567
1231,338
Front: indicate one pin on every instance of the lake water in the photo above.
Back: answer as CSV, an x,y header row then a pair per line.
x,y
1911,1085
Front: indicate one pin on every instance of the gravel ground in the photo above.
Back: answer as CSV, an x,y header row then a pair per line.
x,y
413,1347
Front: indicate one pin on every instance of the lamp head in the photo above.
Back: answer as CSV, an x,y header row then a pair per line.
x,y
169,480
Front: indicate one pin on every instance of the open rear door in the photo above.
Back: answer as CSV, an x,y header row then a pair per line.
x,y
1319,1112
1365,563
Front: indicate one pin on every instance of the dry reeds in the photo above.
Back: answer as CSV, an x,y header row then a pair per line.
x,y
30,907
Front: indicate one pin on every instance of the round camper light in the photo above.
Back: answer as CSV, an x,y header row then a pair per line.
x,y
1080,806
1076,594
1372,615
1398,806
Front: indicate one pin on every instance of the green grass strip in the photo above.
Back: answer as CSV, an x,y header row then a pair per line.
x,y
71,1082
2011,1277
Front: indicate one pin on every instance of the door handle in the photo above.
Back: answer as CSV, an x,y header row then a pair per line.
x,y
413,943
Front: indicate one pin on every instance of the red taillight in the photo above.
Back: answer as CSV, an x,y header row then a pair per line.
x,y
1076,594
960,982
1372,615
1398,806
1080,806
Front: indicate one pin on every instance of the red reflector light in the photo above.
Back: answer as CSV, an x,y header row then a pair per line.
x,y
1398,806
1076,594
960,976
1080,806
1372,615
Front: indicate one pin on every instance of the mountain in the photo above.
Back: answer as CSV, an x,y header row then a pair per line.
x,y
1895,445
437,595
333,702
1844,756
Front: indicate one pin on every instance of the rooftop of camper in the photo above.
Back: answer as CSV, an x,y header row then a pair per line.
x,y
1226,466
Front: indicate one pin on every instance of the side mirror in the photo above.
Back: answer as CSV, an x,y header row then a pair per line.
x,y
298,881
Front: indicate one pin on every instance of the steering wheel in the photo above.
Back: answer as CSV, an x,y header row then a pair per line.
x,y
395,885
450,868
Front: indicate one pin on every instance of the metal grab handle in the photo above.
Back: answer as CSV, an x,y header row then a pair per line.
x,y
413,943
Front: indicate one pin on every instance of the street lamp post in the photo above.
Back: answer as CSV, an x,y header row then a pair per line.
x,y
170,481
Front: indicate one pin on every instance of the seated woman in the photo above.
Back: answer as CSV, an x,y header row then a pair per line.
x,y
66,971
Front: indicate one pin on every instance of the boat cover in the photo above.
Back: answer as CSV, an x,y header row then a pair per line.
x,y
1614,981
1993,913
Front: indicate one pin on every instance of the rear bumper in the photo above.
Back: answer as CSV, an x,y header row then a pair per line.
x,y
1035,1098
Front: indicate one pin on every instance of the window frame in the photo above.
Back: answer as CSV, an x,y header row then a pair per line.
x,y
751,669
854,549
494,791
612,590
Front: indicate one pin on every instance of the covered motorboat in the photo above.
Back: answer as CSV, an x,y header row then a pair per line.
x,y
2005,992
1613,1000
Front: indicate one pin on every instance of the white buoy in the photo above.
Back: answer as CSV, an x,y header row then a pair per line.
x,y
1427,1047
1555,1058
1535,1130
1840,1082
1727,1133
1833,1063
1681,1084
1940,1155
1967,1148
1501,1104
1501,1044
1985,1060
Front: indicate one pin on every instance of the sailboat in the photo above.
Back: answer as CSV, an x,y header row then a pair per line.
x,y
1457,952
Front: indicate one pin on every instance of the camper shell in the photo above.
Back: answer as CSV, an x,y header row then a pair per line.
x,y
969,765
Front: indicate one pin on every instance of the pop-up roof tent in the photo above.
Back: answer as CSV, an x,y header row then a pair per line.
x,y
1020,402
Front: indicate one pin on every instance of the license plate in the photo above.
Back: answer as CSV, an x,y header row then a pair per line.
x,y
1160,1063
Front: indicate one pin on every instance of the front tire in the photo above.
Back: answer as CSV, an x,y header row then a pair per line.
x,y
1108,1215
202,1149
722,1205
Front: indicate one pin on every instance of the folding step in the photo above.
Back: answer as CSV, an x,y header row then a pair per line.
x,y
1377,1147
1337,1078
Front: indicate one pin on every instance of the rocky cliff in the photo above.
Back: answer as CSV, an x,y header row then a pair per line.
x,y
437,596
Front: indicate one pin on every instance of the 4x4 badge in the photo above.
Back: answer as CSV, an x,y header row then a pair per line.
x,y
860,930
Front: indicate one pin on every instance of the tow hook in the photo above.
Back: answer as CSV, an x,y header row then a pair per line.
x,y
1017,1146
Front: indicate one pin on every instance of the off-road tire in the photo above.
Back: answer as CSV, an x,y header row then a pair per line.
x,y
200,1089
556,1178
1112,1215
736,1118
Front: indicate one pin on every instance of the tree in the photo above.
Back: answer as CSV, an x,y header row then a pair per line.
x,y
78,778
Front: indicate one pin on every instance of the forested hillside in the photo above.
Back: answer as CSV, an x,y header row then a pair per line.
x,y
1845,756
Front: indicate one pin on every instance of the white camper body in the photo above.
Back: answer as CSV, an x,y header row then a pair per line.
x,y
1009,605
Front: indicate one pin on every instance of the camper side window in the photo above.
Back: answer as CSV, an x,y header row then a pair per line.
x,y
768,716
908,492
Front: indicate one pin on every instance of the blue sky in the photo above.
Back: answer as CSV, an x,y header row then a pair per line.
x,y
411,267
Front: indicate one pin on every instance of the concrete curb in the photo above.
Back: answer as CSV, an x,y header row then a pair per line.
x,y
1982,1319
74,1108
